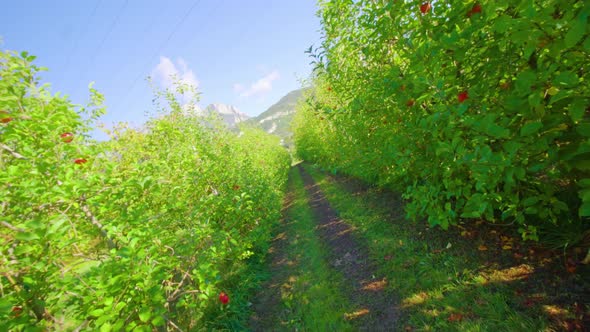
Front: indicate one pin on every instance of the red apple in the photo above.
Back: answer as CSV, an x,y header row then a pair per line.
x,y
5,117
475,10
223,298
462,96
425,7
67,137
16,310
80,161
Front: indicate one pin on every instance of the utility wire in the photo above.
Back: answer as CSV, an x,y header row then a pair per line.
x,y
150,25
164,43
82,36
105,37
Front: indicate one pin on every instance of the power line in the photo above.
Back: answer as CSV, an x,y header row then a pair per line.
x,y
164,43
149,26
82,36
105,37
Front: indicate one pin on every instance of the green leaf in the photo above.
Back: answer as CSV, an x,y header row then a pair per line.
x,y
577,109
96,313
575,33
530,201
473,207
530,128
145,315
497,131
581,163
553,91
583,129
524,81
584,210
106,327
26,236
158,321
566,79
8,98
120,306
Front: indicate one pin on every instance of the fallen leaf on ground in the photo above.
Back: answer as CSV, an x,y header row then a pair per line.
x,y
505,238
570,266
456,317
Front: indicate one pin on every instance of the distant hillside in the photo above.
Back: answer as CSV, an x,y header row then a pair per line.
x,y
277,119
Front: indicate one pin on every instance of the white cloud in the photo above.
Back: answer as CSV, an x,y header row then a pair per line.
x,y
238,87
258,88
166,72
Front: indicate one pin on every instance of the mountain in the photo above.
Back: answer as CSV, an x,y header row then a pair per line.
x,y
277,118
229,114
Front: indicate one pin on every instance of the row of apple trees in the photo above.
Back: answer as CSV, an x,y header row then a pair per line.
x,y
474,109
138,233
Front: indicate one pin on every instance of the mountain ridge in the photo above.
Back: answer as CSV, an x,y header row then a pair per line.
x,y
277,118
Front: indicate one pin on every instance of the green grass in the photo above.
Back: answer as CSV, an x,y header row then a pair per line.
x,y
313,297
442,286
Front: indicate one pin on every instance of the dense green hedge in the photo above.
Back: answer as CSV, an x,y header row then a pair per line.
x,y
141,232
474,109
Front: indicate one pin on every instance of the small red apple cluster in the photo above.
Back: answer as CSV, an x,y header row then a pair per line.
x,y
68,138
17,310
425,7
475,10
65,137
462,96
223,298
5,117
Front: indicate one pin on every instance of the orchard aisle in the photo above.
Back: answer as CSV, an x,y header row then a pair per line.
x,y
321,277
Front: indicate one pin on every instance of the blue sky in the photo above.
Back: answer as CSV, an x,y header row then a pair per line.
x,y
244,53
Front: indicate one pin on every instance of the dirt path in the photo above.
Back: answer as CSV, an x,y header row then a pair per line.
x,y
266,313
377,310
373,309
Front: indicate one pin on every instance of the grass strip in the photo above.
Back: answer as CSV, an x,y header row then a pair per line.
x,y
443,284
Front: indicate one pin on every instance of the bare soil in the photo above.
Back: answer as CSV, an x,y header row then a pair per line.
x,y
377,310
551,282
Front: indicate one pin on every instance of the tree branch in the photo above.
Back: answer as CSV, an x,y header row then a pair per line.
x,y
12,152
96,223
14,228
